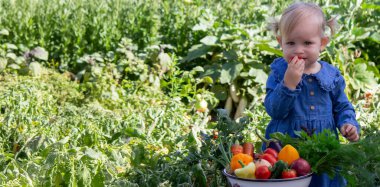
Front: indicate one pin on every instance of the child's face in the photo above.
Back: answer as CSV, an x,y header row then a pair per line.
x,y
305,41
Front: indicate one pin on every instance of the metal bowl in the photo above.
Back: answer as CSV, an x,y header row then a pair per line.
x,y
302,181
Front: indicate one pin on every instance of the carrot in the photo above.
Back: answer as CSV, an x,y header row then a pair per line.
x,y
248,148
236,148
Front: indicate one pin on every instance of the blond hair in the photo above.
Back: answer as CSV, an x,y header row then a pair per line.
x,y
297,11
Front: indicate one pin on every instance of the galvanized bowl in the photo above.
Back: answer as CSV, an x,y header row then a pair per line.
x,y
302,181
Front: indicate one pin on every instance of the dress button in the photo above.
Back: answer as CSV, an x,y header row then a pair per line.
x,y
312,107
311,93
310,80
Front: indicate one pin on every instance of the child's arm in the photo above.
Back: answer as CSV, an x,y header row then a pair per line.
x,y
281,95
344,113
279,100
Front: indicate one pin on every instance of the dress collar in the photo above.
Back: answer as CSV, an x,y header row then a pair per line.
x,y
327,77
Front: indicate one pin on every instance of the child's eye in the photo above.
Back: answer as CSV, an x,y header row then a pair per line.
x,y
308,43
289,43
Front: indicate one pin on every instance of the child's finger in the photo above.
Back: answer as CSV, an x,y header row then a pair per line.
x,y
343,130
356,138
349,128
351,133
353,137
352,129
298,64
301,63
344,133
293,60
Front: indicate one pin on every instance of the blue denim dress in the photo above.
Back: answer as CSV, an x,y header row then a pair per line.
x,y
317,102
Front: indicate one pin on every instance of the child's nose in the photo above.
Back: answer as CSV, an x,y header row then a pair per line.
x,y
299,49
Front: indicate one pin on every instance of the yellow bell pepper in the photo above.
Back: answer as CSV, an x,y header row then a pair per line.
x,y
288,154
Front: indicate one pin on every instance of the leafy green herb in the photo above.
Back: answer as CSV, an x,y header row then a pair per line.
x,y
278,168
356,162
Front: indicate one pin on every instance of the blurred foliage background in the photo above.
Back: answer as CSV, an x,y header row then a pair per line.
x,y
97,93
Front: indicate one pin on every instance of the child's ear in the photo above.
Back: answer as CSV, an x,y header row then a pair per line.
x,y
324,41
279,40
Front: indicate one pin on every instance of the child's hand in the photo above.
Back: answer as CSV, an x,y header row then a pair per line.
x,y
350,132
294,72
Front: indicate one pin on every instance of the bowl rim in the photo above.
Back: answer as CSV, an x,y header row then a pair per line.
x,y
265,180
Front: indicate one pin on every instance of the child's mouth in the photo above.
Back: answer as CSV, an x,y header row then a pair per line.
x,y
298,58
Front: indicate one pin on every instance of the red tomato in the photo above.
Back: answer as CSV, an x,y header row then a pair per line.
x,y
288,174
270,158
272,152
262,172
215,134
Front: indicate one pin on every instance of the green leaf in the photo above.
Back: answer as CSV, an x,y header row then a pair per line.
x,y
231,55
114,137
220,92
40,53
50,159
63,140
20,60
228,37
230,71
85,175
360,33
203,25
363,77
35,144
133,132
98,180
198,69
138,154
199,175
3,64
267,48
92,154
4,32
209,40
165,60
260,76
11,46
196,51
375,37
213,71
35,69
11,56
370,6
14,66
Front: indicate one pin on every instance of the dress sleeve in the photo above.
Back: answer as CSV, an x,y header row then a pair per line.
x,y
279,100
343,110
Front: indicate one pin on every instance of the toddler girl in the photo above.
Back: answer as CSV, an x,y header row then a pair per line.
x,y
303,91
